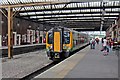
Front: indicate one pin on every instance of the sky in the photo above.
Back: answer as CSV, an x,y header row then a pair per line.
x,y
96,32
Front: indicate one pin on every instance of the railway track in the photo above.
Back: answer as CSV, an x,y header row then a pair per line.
x,y
32,75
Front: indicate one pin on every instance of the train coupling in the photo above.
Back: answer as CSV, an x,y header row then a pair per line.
x,y
57,55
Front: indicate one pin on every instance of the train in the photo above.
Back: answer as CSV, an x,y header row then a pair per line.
x,y
61,42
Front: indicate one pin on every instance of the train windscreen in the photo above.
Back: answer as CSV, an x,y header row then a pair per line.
x,y
66,37
50,38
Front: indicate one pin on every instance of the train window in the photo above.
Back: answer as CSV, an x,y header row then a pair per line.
x,y
44,38
50,38
66,37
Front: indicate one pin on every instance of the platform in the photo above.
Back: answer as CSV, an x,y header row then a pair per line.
x,y
22,49
87,63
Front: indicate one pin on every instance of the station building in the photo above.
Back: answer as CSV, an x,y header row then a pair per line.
x,y
24,31
113,30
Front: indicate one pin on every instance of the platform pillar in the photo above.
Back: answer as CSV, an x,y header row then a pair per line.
x,y
10,33
1,22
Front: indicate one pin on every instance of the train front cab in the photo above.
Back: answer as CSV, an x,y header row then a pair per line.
x,y
58,46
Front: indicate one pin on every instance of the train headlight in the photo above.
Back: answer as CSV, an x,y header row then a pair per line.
x,y
68,49
48,49
65,47
51,47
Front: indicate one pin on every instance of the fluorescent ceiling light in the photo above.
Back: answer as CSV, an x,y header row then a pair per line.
x,y
84,28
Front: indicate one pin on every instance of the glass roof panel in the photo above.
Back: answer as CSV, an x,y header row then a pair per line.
x,y
60,6
66,11
55,11
38,7
115,9
53,21
39,13
23,13
69,5
31,13
47,12
47,16
44,19
35,16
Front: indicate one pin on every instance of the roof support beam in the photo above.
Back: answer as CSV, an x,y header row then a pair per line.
x,y
10,33
84,22
73,21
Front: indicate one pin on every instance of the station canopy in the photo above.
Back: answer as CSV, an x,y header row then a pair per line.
x,y
76,14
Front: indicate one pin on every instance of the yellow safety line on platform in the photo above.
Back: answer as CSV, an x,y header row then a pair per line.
x,y
63,68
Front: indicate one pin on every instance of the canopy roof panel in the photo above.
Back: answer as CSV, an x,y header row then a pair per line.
x,y
69,13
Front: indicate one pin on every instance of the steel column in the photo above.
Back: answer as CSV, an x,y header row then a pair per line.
x,y
10,33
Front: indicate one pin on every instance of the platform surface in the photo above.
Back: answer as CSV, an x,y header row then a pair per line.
x,y
87,63
19,46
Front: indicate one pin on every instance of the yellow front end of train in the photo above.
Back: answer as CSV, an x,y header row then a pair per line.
x,y
57,47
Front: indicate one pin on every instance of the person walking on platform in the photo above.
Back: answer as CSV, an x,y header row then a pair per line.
x,y
110,44
92,43
105,48
102,40
97,40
